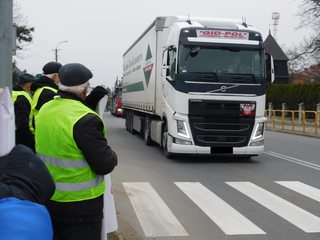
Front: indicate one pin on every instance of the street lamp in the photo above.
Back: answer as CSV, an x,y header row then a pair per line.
x,y
56,49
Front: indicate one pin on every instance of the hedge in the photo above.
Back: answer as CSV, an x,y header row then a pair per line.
x,y
293,95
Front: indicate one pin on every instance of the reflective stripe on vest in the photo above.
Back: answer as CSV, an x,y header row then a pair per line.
x,y
63,163
15,95
74,179
67,187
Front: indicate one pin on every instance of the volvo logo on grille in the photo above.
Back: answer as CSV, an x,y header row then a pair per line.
x,y
223,88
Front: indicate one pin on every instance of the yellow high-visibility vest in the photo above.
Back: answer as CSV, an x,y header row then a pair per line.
x,y
74,179
36,97
15,95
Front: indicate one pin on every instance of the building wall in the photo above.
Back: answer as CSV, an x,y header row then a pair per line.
x,y
281,72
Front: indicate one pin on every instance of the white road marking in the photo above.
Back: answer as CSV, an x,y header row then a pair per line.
x,y
290,212
294,160
302,188
226,217
154,215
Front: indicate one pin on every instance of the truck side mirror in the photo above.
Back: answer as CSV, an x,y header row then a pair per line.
x,y
270,68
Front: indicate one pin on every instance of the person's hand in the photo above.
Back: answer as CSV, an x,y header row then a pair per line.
x,y
95,96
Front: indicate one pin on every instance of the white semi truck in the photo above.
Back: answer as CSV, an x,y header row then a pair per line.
x,y
197,86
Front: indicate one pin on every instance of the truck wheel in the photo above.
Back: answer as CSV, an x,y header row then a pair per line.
x,y
130,122
146,133
165,142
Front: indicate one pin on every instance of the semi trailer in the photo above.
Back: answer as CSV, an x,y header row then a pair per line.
x,y
198,86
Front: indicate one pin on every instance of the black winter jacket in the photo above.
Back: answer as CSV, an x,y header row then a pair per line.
x,y
24,175
22,109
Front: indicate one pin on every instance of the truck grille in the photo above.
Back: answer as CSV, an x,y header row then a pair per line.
x,y
219,124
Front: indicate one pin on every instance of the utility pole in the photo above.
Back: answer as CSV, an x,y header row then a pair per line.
x,y
56,54
57,49
6,43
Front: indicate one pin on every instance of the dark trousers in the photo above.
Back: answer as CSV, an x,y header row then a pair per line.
x,y
77,220
88,230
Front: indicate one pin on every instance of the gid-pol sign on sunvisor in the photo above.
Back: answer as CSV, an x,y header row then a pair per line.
x,y
222,34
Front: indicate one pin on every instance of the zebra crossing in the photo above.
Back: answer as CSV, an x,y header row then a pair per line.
x,y
158,220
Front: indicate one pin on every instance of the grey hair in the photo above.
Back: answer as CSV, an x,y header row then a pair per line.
x,y
50,75
74,89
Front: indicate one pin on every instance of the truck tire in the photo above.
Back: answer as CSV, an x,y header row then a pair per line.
x,y
130,123
146,133
165,141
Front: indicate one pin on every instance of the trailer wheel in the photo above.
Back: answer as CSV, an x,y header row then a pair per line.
x,y
130,123
165,141
146,133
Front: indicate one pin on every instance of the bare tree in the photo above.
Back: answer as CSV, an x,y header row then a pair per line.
x,y
310,12
24,33
308,52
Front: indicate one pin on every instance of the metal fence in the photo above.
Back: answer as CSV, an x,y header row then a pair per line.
x,y
305,122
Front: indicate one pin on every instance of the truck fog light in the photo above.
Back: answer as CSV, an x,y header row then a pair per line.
x,y
257,143
182,129
181,141
259,131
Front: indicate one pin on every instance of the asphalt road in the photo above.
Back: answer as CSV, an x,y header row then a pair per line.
x,y
274,196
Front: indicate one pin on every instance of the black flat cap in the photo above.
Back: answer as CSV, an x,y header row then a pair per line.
x,y
74,74
51,67
25,78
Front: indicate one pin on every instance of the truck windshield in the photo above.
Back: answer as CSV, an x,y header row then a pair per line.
x,y
221,64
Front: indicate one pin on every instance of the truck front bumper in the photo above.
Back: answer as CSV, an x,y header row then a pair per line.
x,y
195,150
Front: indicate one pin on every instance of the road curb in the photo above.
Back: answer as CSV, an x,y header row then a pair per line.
x,y
305,134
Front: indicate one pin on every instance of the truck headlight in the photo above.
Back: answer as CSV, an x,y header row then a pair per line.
x,y
259,131
182,129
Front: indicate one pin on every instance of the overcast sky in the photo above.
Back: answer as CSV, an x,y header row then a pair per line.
x,y
100,31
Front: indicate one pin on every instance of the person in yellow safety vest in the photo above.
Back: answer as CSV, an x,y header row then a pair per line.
x,y
46,87
22,100
70,139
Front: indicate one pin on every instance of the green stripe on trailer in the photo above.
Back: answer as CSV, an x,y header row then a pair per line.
x,y
134,87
